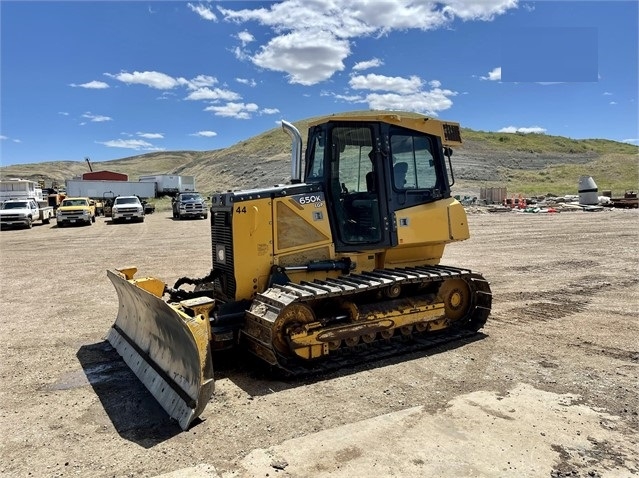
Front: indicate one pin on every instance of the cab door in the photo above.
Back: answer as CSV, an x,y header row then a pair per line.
x,y
352,173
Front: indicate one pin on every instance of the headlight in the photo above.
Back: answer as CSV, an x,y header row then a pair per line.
x,y
221,254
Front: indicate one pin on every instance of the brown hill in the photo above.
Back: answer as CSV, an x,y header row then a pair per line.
x,y
530,163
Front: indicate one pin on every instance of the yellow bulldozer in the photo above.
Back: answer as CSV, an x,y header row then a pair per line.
x,y
338,267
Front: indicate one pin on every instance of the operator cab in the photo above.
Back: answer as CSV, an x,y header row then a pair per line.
x,y
369,170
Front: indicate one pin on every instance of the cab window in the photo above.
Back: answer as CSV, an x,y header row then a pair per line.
x,y
316,159
413,163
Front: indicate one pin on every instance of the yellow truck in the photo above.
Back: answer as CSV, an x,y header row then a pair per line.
x,y
76,210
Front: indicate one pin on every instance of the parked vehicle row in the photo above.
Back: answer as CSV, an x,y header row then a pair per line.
x,y
84,210
27,204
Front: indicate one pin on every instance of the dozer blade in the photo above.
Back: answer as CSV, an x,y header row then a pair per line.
x,y
167,349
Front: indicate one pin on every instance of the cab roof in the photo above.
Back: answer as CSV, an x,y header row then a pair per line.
x,y
448,131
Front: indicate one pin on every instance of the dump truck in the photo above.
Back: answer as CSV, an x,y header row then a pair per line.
x,y
339,267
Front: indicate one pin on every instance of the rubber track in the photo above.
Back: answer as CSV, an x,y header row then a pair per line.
x,y
267,306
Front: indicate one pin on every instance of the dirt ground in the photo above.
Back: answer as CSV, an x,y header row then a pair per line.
x,y
550,388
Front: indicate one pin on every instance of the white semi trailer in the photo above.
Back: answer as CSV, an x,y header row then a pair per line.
x,y
99,189
170,184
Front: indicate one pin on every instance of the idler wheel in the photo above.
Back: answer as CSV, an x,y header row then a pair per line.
x,y
455,294
290,321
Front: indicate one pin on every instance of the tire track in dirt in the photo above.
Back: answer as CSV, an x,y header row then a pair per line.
x,y
543,306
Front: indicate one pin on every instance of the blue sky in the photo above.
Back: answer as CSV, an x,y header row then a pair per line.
x,y
111,79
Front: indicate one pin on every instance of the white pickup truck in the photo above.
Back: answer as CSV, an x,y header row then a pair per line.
x,y
24,212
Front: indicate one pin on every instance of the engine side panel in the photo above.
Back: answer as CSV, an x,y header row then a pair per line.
x,y
301,222
252,245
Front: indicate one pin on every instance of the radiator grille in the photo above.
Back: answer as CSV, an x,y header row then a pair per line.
x,y
222,235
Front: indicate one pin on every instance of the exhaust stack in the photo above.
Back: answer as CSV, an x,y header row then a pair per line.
x,y
296,151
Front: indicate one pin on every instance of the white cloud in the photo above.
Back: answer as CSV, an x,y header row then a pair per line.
x,y
396,84
245,37
96,118
269,111
234,110
199,86
204,134
241,54
92,85
304,49
63,113
607,93
150,135
348,98
203,11
135,144
6,138
201,81
474,10
613,102
153,79
245,81
213,95
365,65
308,59
398,93
493,75
427,102
525,130
631,140
166,95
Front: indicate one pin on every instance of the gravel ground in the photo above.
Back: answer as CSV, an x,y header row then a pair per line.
x,y
550,388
